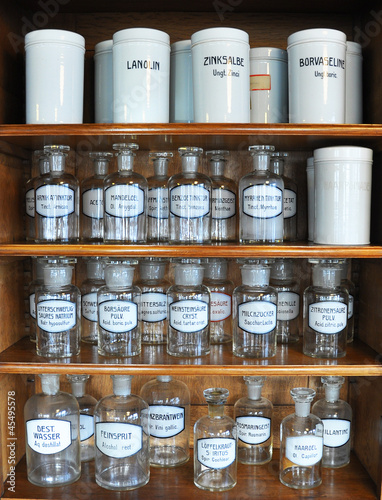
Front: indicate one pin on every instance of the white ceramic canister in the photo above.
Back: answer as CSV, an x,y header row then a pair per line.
x,y
181,93
54,76
353,107
103,82
141,76
269,85
342,180
310,193
220,72
316,76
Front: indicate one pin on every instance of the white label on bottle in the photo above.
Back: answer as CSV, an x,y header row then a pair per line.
x,y
56,316
336,432
90,307
153,307
48,436
118,316
257,317
350,306
221,306
118,439
86,426
290,203
328,317
166,421
55,201
29,202
188,316
223,204
157,203
304,450
288,306
124,201
262,201
189,201
216,453
253,430
92,203
32,305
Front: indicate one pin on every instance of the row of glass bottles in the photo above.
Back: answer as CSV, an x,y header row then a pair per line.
x,y
188,207
125,434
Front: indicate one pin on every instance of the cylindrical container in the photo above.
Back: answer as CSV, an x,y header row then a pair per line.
x,y
181,93
353,106
54,76
316,76
103,82
342,178
269,85
141,76
220,72
310,190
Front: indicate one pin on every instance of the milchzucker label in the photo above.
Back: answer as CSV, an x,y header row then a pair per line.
x,y
86,426
328,317
166,421
290,203
223,204
221,306
257,317
189,316
117,439
336,432
48,436
153,307
124,201
288,306
216,453
253,430
92,203
189,201
55,201
118,316
29,202
262,202
56,316
89,306
304,450
157,203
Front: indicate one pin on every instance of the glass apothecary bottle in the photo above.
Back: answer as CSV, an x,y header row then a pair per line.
x,y
301,443
336,415
215,445
52,435
38,275
253,417
169,405
43,167
122,460
350,287
95,279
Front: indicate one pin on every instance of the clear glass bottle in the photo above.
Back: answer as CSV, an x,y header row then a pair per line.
x,y
122,460
38,275
190,201
224,199
92,198
336,415
52,435
153,301
125,200
350,287
261,201
253,417
188,306
288,301
254,314
169,405
57,199
118,313
95,279
87,404
325,313
215,445
301,443
43,166
290,196
157,198
58,314
215,279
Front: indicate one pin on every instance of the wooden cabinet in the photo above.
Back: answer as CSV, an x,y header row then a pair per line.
x,y
267,24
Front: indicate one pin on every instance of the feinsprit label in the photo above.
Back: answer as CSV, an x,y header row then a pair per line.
x,y
216,453
86,426
118,316
336,432
55,201
288,306
153,307
29,202
89,306
56,315
262,202
48,436
328,317
304,450
166,421
189,201
92,203
32,305
220,306
290,203
257,317
124,201
157,203
253,430
188,316
117,439
351,306
223,204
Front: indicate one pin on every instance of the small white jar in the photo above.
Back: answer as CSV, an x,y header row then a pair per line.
x,y
181,93
354,109
103,82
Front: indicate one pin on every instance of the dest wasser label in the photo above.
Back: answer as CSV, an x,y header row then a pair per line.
x,y
220,306
118,439
304,450
216,453
253,430
223,204
328,317
288,306
189,201
262,202
118,316
56,315
32,305
48,436
157,203
166,421
189,316
55,201
290,203
92,203
29,202
257,317
336,432
89,306
124,201
86,426
153,307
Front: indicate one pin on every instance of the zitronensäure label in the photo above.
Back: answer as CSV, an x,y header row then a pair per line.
x,y
328,317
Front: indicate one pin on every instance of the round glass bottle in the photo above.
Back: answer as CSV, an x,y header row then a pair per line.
x,y
43,166
38,273
350,287
89,311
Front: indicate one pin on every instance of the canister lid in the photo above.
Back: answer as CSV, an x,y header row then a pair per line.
x,y
219,34
54,36
353,153
141,34
182,45
268,53
105,46
354,48
317,35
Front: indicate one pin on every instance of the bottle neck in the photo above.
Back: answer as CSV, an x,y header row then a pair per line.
x,y
78,388
278,166
332,394
302,408
100,167
125,162
215,410
254,392
161,167
50,384
261,162
190,164
217,168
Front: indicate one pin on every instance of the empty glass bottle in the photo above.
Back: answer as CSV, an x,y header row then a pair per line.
x,y
43,166
38,275
95,279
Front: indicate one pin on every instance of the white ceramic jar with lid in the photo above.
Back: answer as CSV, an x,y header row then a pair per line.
x,y
103,82
181,93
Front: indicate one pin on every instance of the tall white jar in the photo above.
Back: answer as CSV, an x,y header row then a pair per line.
x,y
354,108
181,93
103,82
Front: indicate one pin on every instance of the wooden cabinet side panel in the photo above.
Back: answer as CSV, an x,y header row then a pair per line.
x,y
370,311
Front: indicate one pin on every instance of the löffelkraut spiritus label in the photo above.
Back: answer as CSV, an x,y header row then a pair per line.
x,y
166,421
56,315
288,306
189,202
304,450
258,316
118,439
124,201
153,307
189,316
55,201
223,204
86,426
48,436
262,202
290,203
118,316
336,432
216,453
89,307
253,429
220,307
92,203
157,203
328,317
